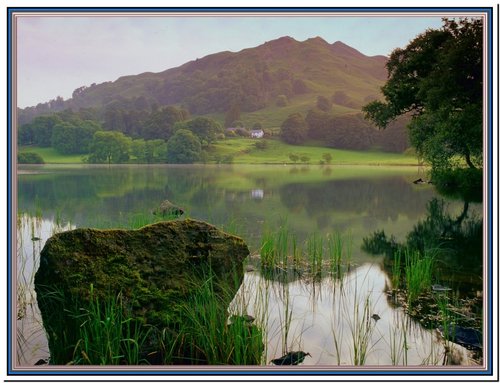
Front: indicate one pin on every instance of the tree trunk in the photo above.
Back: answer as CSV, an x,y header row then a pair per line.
x,y
468,160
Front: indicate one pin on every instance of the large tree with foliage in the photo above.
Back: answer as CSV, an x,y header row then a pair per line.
x,y
39,131
68,138
204,128
183,148
160,124
109,147
438,80
294,129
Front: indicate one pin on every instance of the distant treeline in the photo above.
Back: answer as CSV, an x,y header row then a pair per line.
x,y
132,130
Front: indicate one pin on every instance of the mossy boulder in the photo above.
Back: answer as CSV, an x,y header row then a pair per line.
x,y
154,269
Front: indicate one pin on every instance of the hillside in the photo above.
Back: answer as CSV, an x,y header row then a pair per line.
x,y
252,78
261,85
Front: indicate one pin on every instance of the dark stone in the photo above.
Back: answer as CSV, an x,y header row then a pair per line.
x,y
467,337
168,209
291,359
153,268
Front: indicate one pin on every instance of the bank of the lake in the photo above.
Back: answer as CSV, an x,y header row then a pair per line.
x,y
247,151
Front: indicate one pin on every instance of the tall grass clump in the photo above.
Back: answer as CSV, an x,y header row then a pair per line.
x,y
396,275
315,255
280,251
277,247
339,252
207,336
418,274
354,325
107,335
361,328
398,341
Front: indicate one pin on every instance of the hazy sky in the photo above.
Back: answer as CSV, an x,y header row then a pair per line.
x,y
56,55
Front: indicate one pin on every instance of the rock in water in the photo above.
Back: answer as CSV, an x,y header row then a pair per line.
x,y
467,337
291,359
168,209
154,268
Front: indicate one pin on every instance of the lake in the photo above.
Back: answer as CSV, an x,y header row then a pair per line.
x,y
326,315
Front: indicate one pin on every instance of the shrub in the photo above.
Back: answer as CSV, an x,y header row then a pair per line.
x,y
29,158
242,132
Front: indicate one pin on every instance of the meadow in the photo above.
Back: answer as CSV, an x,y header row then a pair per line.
x,y
245,151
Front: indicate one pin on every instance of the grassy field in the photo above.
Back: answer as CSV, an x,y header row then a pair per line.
x,y
51,156
244,151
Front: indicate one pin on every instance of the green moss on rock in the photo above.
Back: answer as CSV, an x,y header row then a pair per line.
x,y
155,268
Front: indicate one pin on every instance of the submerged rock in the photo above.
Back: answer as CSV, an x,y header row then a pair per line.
x,y
154,268
168,209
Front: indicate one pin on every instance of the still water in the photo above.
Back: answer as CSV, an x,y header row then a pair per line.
x,y
322,317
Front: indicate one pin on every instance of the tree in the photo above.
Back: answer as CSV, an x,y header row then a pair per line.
x,y
437,79
294,129
109,147
204,128
25,134
305,158
327,157
318,123
183,148
155,151
74,139
293,157
42,129
160,124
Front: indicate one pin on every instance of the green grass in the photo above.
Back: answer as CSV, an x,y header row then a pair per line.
x,y
51,156
107,335
418,274
273,116
207,337
244,151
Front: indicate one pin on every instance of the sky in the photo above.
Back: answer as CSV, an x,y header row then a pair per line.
x,y
57,54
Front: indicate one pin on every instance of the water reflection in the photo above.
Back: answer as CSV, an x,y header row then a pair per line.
x,y
32,233
354,200
332,320
454,238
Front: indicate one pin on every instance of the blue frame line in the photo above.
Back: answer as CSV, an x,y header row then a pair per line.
x,y
9,189
364,372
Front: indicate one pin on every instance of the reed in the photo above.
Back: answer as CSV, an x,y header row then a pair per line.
x,y
206,336
361,331
354,323
280,251
315,251
398,341
107,334
418,274
396,275
277,247
339,253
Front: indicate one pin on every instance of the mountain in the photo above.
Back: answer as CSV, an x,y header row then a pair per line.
x,y
252,78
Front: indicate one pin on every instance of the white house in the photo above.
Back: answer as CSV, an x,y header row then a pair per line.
x,y
256,133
